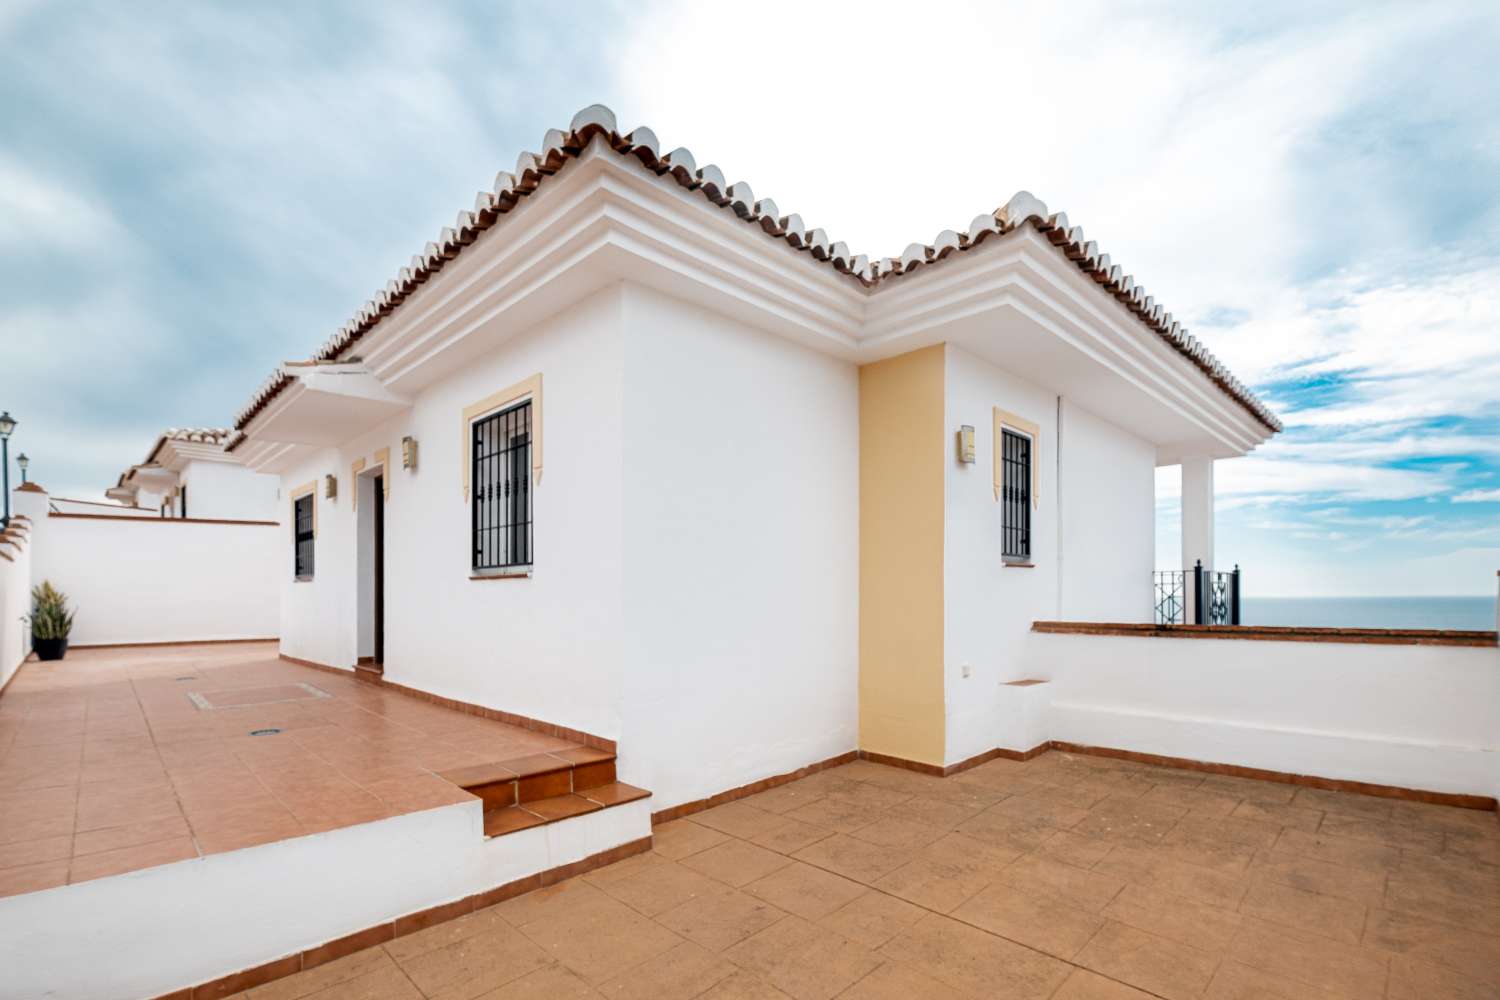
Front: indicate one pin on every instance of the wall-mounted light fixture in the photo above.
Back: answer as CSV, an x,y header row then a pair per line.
x,y
966,444
409,453
330,487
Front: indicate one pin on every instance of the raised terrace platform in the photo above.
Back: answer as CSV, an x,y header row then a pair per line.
x,y
206,779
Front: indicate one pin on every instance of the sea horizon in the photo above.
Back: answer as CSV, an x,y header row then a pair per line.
x,y
1451,612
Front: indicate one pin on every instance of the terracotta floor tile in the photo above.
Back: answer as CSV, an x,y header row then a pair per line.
x,y
804,960
1343,802
682,837
1314,961
681,973
935,811
476,964
791,836
1383,831
1074,849
34,852
1417,979
1166,914
1367,887
1338,850
1130,819
33,878
1234,981
1309,912
897,831
854,859
720,920
1252,833
1087,890
743,986
873,919
738,819
553,982
312,981
1086,985
1147,866
1155,964
1475,955
837,814
561,807
976,962
112,838
892,981
785,798
807,891
660,887
1428,900
1022,809
1214,852
608,942
1045,923
627,868
129,859
736,863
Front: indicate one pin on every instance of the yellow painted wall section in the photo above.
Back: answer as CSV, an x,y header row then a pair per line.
x,y
902,449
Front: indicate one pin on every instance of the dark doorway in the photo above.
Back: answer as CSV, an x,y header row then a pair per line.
x,y
379,617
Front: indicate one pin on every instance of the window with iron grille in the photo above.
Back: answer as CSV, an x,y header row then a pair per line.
x,y
302,534
1015,495
501,477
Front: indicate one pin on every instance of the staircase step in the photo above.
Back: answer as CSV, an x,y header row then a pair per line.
x,y
509,819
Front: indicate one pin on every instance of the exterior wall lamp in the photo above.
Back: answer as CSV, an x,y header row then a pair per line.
x,y
330,487
966,444
21,463
409,453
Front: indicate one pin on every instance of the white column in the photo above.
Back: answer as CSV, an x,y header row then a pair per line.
x,y
1197,526
1197,512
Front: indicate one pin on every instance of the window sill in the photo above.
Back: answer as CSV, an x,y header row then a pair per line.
x,y
509,574
302,579
1019,565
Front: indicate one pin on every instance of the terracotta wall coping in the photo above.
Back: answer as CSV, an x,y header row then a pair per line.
x,y
1278,633
162,520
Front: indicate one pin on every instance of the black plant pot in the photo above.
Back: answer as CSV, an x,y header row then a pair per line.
x,y
49,649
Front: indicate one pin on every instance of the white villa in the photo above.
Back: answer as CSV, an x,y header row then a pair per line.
x,y
189,463
633,496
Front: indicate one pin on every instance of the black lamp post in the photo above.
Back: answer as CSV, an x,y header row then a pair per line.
x,y
7,424
21,463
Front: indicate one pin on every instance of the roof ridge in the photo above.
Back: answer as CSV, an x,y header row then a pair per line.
x,y
559,147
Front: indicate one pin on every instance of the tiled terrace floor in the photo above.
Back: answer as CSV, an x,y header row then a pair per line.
x,y
108,766
1072,878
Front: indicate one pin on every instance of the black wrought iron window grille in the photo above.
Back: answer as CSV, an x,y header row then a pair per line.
x,y
501,508
302,537
1015,495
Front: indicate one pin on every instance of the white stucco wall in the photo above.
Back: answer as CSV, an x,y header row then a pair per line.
x,y
226,490
147,933
15,601
147,580
694,594
547,646
1107,494
741,527
1424,717
1092,545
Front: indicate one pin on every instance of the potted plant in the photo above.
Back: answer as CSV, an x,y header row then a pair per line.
x,y
51,621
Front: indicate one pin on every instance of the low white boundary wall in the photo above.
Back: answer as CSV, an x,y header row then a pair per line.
x,y
1414,716
150,932
148,580
15,601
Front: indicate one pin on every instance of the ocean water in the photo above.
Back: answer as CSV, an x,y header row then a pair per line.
x,y
1370,612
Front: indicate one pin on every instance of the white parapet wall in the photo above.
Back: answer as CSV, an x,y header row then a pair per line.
x,y
150,580
150,932
1413,716
15,598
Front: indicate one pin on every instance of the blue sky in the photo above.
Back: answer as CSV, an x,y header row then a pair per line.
x,y
190,193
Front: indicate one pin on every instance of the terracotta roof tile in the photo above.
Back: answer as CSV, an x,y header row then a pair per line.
x,y
679,165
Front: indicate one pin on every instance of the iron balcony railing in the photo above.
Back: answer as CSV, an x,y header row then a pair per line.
x,y
1197,596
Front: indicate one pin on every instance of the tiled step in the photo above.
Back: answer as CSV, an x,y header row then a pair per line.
x,y
544,788
537,812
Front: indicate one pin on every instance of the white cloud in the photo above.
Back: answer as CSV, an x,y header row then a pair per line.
x,y
1477,496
